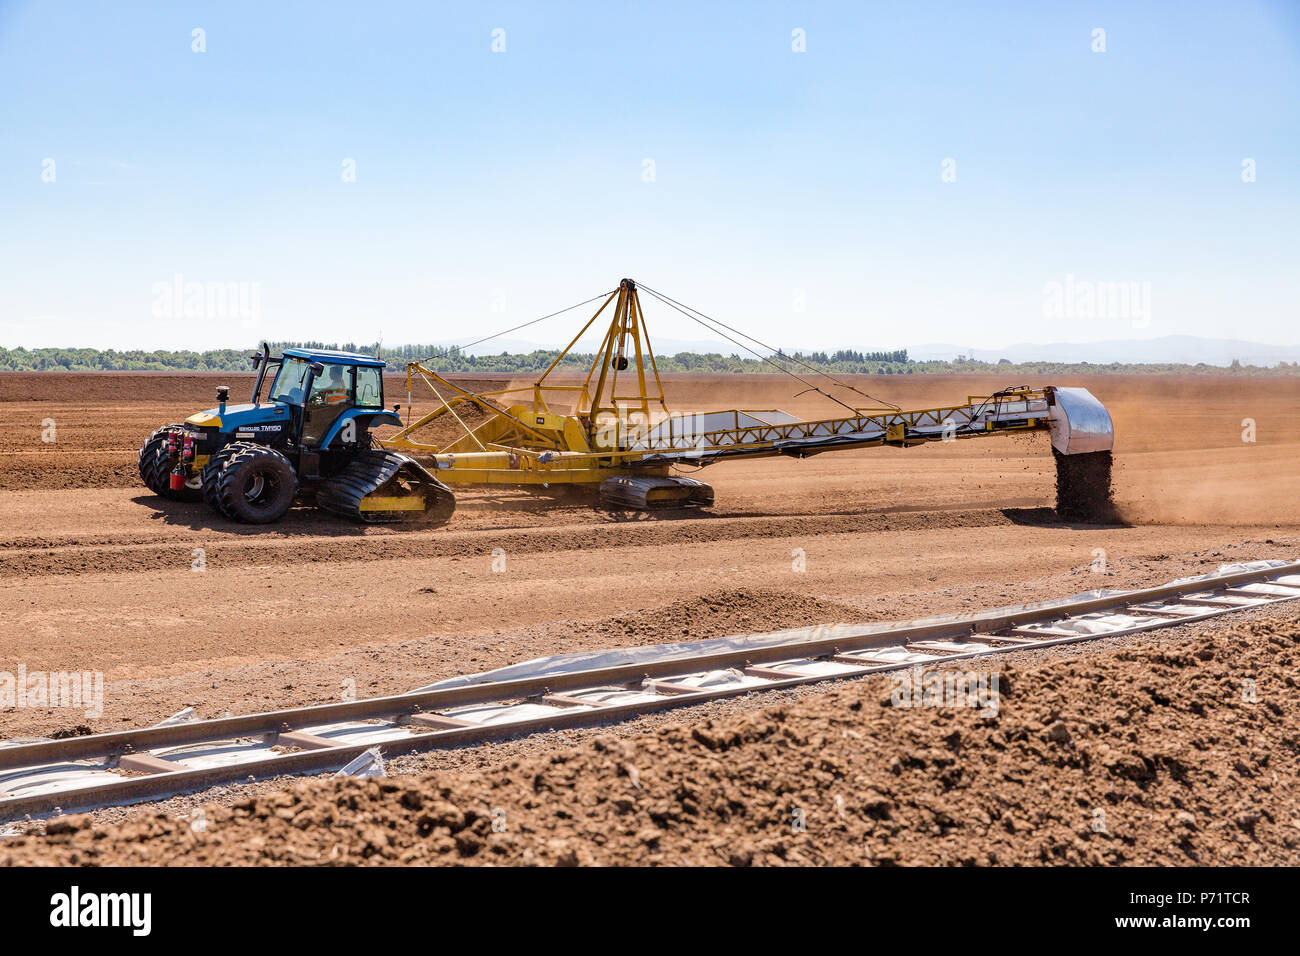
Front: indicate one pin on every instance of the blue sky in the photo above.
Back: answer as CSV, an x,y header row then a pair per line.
x,y
798,196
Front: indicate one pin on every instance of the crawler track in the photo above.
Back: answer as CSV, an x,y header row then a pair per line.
x,y
84,773
385,473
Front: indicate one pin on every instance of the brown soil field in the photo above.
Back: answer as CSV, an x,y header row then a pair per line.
x,y
1144,756
98,574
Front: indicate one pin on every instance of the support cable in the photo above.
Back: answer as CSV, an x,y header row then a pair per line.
x,y
681,307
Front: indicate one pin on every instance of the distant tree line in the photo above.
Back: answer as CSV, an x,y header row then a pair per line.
x,y
111,360
452,360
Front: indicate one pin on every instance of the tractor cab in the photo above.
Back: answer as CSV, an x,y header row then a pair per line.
x,y
323,390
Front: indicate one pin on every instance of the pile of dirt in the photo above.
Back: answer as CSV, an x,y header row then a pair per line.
x,y
719,613
1083,488
446,429
1160,755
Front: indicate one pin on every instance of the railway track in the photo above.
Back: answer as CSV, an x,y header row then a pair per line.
x,y
82,773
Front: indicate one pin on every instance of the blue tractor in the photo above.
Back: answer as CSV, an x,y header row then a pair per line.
x,y
310,438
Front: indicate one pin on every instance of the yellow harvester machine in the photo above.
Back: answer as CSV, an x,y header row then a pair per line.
x,y
614,431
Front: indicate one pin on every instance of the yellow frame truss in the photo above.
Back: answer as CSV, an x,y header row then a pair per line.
x,y
525,442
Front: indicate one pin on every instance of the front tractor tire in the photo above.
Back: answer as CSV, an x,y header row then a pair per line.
x,y
156,474
254,484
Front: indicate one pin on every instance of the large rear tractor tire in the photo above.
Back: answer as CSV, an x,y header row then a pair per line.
x,y
255,485
154,471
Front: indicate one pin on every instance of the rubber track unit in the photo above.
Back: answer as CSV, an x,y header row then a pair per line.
x,y
646,493
382,473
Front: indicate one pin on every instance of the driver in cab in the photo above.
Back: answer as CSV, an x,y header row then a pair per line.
x,y
331,389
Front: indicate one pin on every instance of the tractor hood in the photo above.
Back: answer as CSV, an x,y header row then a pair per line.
x,y
242,416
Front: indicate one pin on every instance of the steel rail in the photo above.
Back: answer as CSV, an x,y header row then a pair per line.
x,y
401,710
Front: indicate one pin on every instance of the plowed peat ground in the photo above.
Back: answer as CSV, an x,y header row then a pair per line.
x,y
1144,755
177,607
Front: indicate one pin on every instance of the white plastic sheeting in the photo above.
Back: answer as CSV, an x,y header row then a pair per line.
x,y
590,660
369,764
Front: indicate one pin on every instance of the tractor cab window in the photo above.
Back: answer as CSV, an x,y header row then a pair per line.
x,y
290,383
370,388
330,396
333,387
